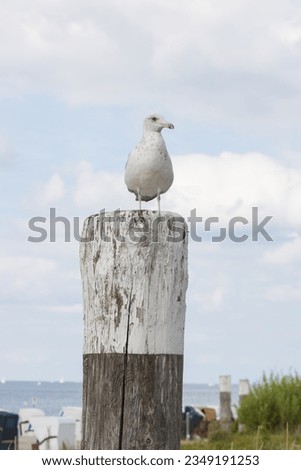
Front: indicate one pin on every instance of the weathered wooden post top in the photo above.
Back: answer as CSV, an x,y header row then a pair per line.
x,y
134,277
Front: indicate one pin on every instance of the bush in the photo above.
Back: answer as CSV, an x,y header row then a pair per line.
x,y
273,404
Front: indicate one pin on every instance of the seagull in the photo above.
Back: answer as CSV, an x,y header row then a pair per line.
x,y
148,171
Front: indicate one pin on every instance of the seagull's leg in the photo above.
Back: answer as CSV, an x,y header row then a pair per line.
x,y
139,198
158,199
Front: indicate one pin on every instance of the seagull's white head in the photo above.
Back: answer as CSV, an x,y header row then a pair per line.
x,y
156,122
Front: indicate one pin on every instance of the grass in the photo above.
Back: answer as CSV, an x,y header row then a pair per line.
x,y
259,440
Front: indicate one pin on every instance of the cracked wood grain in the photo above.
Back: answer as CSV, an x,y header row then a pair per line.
x,y
134,277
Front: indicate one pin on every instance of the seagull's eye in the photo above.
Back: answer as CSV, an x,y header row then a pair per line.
x,y
154,119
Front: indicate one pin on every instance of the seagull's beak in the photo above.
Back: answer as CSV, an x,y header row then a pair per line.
x,y
169,125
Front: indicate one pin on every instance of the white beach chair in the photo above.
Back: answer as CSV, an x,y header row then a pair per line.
x,y
25,414
76,413
54,433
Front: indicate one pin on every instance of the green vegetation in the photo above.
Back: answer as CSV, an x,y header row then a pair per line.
x,y
273,405
270,414
260,440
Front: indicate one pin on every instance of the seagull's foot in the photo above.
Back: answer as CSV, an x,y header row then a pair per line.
x,y
159,199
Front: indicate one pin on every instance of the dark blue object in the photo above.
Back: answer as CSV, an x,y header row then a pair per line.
x,y
8,430
195,416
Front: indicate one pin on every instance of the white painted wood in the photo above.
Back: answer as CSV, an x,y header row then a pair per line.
x,y
243,388
134,276
225,383
225,402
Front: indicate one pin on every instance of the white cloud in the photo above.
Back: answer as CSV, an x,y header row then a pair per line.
x,y
25,276
54,190
230,184
99,190
65,309
49,284
213,300
284,293
223,186
6,150
287,253
209,58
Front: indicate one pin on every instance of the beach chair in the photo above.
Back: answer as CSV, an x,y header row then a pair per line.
x,y
53,432
76,413
25,414
8,431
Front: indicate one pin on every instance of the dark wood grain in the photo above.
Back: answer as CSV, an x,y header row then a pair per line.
x,y
153,402
102,397
132,402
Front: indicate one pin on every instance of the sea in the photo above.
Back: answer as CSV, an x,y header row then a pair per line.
x,y
51,397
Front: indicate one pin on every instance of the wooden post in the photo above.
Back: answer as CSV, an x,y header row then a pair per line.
x,y
243,391
225,402
134,276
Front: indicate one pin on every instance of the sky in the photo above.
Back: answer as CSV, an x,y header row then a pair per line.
x,y
77,78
